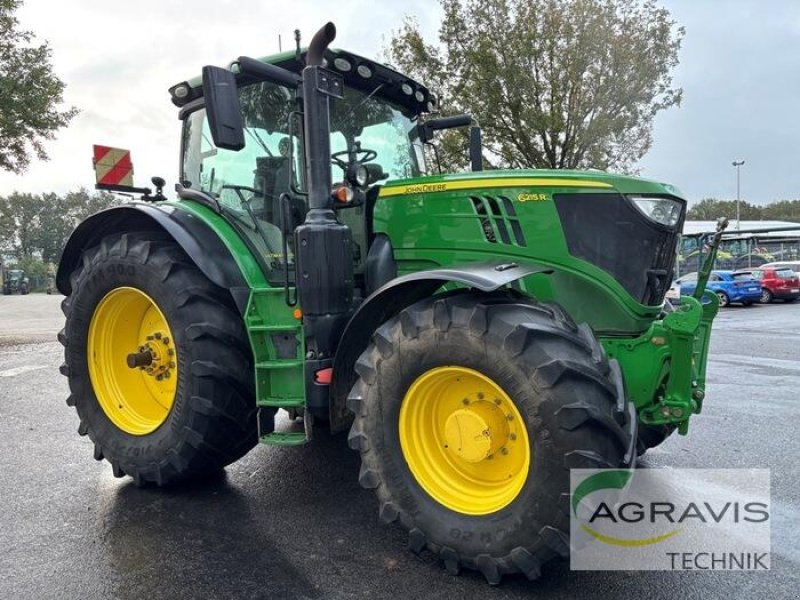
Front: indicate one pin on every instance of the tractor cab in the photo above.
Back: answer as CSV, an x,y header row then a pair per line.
x,y
377,132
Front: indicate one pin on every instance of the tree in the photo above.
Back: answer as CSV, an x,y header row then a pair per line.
x,y
38,226
30,94
553,83
710,209
19,215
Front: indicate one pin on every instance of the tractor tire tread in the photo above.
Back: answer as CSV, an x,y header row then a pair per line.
x,y
522,325
221,426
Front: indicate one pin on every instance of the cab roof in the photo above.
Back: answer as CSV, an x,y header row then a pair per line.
x,y
358,72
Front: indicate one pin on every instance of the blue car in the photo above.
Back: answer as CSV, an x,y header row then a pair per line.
x,y
727,285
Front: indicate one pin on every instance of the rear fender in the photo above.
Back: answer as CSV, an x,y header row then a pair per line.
x,y
392,298
197,239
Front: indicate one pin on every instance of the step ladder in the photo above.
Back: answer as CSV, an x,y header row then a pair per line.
x,y
276,337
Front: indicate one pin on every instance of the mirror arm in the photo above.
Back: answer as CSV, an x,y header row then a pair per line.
x,y
266,72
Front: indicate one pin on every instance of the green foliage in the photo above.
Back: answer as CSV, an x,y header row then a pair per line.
x,y
39,225
29,94
710,209
554,83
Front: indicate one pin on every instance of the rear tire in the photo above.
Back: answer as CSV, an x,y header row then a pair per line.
x,y
211,421
723,299
558,380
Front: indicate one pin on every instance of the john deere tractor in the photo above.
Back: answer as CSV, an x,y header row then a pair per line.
x,y
15,282
479,334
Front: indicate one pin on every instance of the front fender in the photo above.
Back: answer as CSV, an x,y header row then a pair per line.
x,y
196,238
392,298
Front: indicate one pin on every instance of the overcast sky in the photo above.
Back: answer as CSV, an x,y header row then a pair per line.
x,y
739,70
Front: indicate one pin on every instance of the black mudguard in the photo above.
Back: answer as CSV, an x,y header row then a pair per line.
x,y
202,245
392,298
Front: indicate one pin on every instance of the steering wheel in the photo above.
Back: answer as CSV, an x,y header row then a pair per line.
x,y
368,155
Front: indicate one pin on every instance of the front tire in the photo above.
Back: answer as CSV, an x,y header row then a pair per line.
x,y
486,363
766,296
190,409
723,299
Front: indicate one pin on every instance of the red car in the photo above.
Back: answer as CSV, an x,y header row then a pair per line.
x,y
777,283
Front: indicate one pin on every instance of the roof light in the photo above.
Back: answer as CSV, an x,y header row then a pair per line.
x,y
364,71
419,96
180,91
342,64
407,89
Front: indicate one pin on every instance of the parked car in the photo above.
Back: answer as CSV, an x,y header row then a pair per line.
x,y
794,265
673,295
728,286
777,283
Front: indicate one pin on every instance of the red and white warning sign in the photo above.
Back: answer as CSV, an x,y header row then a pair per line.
x,y
112,166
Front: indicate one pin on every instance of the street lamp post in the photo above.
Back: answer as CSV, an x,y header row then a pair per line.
x,y
737,164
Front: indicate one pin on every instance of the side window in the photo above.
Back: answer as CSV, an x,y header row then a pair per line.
x,y
715,277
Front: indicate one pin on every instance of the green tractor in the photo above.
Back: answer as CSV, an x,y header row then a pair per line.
x,y
479,334
15,282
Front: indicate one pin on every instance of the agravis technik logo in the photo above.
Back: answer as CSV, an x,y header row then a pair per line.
x,y
670,519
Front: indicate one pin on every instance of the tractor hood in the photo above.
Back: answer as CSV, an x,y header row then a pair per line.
x,y
598,180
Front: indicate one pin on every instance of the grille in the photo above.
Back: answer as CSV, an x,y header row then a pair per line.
x,y
498,219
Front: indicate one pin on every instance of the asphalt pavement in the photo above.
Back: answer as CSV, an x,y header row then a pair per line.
x,y
293,522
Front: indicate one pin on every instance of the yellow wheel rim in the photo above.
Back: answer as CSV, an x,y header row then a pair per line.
x,y
464,440
136,398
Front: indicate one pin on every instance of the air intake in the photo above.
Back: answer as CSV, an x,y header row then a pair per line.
x,y
498,219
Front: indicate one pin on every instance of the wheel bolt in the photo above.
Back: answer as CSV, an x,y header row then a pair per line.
x,y
480,396
497,401
150,338
465,401
510,417
172,365
158,335
504,451
165,340
167,375
171,352
512,436
159,377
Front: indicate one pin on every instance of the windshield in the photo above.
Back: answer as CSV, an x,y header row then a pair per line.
x,y
377,125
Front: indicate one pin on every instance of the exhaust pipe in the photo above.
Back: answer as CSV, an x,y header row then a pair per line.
x,y
319,43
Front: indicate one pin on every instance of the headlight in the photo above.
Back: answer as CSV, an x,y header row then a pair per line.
x,y
661,210
361,176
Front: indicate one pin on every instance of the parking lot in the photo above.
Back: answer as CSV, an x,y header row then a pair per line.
x,y
293,523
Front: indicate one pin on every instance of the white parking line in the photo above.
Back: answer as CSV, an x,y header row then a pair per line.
x,y
20,370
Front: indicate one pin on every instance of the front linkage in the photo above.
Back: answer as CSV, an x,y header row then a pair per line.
x,y
673,353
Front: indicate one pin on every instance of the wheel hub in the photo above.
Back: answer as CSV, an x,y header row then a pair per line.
x,y
156,357
132,361
476,432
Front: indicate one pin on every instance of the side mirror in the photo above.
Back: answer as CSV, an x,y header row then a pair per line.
x,y
426,130
222,108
